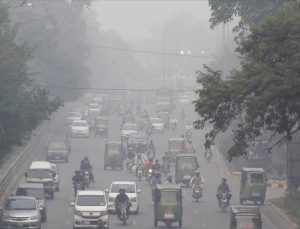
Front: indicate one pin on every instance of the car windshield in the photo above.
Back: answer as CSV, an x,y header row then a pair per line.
x,y
90,200
57,146
74,114
93,106
80,124
129,127
156,120
115,188
33,192
187,163
247,222
176,145
20,204
257,178
40,173
168,197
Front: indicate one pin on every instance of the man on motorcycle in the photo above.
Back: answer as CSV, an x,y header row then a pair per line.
x,y
207,152
151,146
156,166
86,166
224,188
190,148
166,165
77,179
188,127
122,198
156,179
197,179
139,162
173,122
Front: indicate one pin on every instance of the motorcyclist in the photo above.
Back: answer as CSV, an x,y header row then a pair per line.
x,y
77,178
197,179
207,152
173,121
224,188
188,127
156,166
190,148
156,179
122,198
169,180
86,166
151,146
139,162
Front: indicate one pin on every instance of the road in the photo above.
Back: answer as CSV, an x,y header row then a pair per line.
x,y
204,214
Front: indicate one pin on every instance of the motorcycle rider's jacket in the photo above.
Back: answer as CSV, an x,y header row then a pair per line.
x,y
197,180
121,198
148,165
77,179
86,166
223,188
173,121
155,181
139,162
156,167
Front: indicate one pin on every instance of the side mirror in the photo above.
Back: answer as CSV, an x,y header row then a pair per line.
x,y
26,174
106,190
72,204
139,191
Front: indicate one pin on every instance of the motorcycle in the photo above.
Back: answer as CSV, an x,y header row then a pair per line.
x,y
186,180
197,192
139,172
208,156
86,178
173,126
151,154
78,186
224,201
188,134
130,164
149,175
123,216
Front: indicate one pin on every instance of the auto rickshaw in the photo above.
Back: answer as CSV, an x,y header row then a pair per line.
x,y
253,185
165,117
101,126
242,217
113,157
168,204
176,146
186,165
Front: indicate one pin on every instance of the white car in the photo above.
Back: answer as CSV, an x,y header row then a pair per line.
x,y
80,128
129,128
72,116
131,191
157,125
185,100
94,109
56,177
90,208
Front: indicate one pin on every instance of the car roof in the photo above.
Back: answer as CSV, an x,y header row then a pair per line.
x,y
176,139
242,209
40,165
186,155
260,170
80,121
57,145
113,142
91,192
168,187
31,185
124,182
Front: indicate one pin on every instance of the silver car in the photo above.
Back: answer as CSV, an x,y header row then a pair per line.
x,y
20,212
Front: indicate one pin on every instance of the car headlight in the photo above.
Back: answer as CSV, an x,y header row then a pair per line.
x,y
33,217
5,215
103,213
78,213
133,199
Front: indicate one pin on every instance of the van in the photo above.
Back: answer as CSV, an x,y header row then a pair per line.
x,y
41,172
36,191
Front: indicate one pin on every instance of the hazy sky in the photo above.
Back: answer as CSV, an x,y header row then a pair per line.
x,y
134,19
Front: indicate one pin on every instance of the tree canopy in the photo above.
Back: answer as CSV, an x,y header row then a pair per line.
x,y
264,94
22,106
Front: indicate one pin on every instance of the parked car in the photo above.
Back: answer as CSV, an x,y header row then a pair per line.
x,y
157,125
20,212
56,177
57,151
80,128
36,191
90,210
131,191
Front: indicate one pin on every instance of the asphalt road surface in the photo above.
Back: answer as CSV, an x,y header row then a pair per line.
x,y
204,214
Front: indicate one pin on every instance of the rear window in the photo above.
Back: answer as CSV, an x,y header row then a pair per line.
x,y
20,204
32,192
168,197
257,178
90,200
187,163
130,188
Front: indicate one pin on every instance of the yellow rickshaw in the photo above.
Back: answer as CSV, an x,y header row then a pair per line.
x,y
176,146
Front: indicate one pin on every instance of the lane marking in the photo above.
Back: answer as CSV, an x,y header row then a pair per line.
x,y
269,221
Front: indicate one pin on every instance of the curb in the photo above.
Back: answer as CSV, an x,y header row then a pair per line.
x,y
283,216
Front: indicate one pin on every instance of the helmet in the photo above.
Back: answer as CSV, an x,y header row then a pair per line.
x,y
156,161
224,180
197,171
86,158
77,172
122,190
139,155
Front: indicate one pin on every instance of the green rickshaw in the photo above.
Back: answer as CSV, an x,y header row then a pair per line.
x,y
253,185
168,204
113,157
101,126
244,217
176,146
186,165
165,117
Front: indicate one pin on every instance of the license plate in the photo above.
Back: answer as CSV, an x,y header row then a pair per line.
x,y
19,224
169,215
86,222
255,194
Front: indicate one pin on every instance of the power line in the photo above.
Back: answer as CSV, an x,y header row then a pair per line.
x,y
115,89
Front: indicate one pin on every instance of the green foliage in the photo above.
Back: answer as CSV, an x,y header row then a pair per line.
x,y
22,107
264,94
248,11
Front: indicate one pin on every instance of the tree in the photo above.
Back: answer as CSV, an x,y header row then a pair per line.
x,y
22,106
264,94
249,12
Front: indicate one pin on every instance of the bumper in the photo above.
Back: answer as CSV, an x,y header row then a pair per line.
x,y
19,225
157,130
83,135
80,222
57,158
